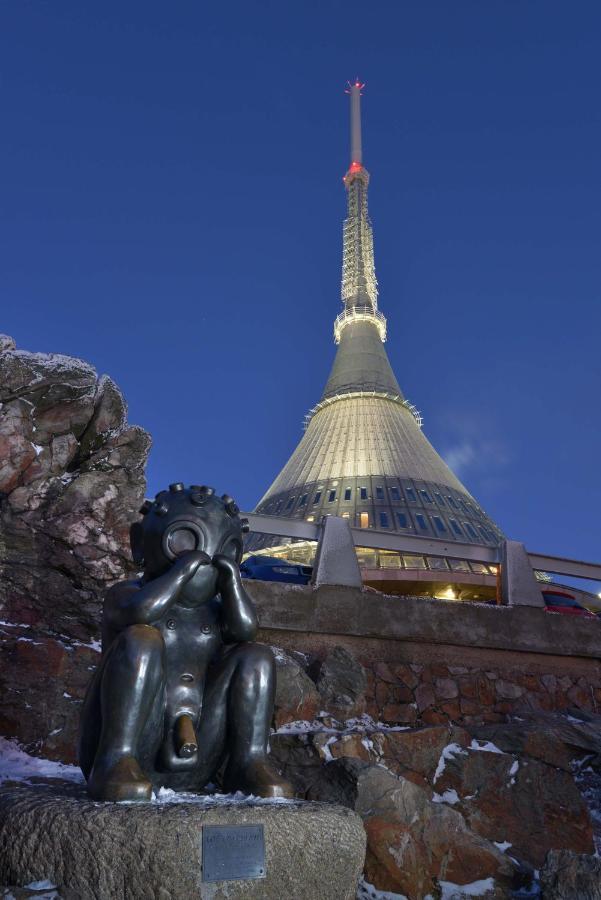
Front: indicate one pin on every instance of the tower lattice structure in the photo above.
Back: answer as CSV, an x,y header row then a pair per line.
x,y
363,454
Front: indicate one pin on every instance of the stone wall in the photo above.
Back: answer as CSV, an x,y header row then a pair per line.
x,y
437,661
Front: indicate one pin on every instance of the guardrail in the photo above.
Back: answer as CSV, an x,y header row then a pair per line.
x,y
507,555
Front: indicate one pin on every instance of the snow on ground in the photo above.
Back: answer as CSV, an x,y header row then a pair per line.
x,y
358,725
166,795
485,746
450,891
366,891
17,765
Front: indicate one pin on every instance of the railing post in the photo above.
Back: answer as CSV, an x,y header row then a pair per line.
x,y
519,586
336,560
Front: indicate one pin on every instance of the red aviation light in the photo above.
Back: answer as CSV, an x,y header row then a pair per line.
x,y
355,167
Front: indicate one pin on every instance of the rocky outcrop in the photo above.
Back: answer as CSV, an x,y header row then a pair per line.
x,y
71,481
567,875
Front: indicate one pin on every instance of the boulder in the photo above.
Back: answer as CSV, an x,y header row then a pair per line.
x,y
71,482
567,875
521,802
296,696
153,851
413,844
419,750
342,682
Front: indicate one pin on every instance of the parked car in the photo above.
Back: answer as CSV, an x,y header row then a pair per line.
x,y
270,568
564,603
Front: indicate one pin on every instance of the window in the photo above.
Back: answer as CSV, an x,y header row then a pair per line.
x,y
310,518
458,565
290,503
346,515
421,522
384,520
303,500
455,527
485,534
437,563
411,494
470,530
426,496
402,520
452,501
394,494
363,493
347,494
379,492
414,562
439,498
364,520
317,498
278,507
331,496
440,525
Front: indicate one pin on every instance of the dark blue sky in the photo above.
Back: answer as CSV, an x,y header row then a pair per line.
x,y
171,210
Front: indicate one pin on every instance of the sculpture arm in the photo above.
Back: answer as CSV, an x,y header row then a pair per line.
x,y
141,603
238,616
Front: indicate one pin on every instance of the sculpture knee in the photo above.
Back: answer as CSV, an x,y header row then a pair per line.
x,y
258,660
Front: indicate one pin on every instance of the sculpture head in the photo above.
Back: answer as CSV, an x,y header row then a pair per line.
x,y
184,519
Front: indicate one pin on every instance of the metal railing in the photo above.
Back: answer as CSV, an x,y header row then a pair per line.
x,y
300,529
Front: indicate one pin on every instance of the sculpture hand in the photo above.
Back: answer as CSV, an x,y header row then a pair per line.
x,y
187,565
228,572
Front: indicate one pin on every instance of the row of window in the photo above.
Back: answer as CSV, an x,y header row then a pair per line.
x,y
395,497
403,521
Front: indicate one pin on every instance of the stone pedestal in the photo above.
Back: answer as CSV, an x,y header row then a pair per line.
x,y
153,851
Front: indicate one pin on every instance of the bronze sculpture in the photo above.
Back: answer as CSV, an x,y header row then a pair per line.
x,y
180,689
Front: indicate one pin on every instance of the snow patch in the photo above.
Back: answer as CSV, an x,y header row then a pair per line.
x,y
37,447
450,891
366,891
485,746
167,795
502,845
450,796
17,765
449,752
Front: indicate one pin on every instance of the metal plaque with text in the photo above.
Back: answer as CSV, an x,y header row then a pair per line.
x,y
232,852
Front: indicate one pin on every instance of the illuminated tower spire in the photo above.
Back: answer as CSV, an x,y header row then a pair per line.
x,y
363,455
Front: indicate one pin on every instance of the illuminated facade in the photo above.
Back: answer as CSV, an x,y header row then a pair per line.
x,y
364,455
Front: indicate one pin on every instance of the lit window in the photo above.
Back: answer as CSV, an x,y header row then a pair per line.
x,y
347,494
439,498
440,525
421,522
379,492
317,498
364,520
414,562
331,496
394,493
402,520
411,494
310,518
290,503
426,496
303,500
363,493
455,527
345,515
383,520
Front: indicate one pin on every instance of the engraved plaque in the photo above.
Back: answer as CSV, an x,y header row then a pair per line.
x,y
232,852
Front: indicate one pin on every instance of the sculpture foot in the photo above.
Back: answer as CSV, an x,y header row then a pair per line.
x,y
119,781
258,777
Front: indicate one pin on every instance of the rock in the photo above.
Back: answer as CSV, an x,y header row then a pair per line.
x,y
296,696
567,875
341,682
72,480
419,750
298,760
155,849
412,843
533,806
533,740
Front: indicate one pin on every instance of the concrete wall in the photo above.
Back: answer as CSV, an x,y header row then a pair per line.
x,y
431,661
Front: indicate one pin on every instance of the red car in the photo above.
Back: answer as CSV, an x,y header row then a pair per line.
x,y
560,602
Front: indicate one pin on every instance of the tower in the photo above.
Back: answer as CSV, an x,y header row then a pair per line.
x,y
364,455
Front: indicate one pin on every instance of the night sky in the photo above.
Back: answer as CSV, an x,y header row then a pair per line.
x,y
172,206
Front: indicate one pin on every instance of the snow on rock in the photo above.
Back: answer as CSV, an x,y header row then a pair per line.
x,y
485,746
449,796
366,891
166,795
449,752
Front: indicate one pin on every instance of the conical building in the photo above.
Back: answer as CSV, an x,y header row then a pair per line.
x,y
364,455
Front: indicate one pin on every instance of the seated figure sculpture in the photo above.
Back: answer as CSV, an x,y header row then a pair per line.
x,y
181,692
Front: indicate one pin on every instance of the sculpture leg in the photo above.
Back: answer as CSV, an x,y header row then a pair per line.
x,y
132,680
239,697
